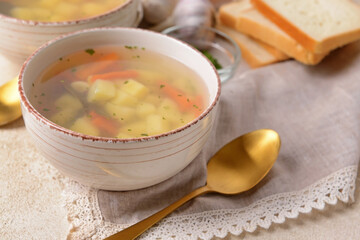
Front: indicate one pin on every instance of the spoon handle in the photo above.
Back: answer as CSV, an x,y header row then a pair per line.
x,y
137,229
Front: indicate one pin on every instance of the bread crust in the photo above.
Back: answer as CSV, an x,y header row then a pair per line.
x,y
285,44
253,60
250,57
226,19
309,43
273,51
229,19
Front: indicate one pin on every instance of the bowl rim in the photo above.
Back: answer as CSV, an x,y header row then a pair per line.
x,y
68,22
32,110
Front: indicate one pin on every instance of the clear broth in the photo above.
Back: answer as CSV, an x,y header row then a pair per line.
x,y
119,92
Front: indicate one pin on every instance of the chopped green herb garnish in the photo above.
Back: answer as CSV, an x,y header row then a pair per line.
x,y
142,48
42,94
163,118
122,119
144,134
131,47
195,106
62,81
46,110
212,59
129,130
126,82
187,100
89,116
162,85
90,51
74,70
179,95
114,114
39,102
182,120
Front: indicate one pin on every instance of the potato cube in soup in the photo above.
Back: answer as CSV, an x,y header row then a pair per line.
x,y
145,109
84,125
91,9
22,13
48,3
156,124
112,3
135,88
124,99
169,110
41,14
120,113
101,91
80,86
64,116
169,105
66,9
68,101
75,1
57,18
153,99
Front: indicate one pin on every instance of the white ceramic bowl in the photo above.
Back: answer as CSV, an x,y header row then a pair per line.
x,y
109,163
19,38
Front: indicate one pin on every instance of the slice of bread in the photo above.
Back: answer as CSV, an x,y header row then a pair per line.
x,y
251,22
255,53
228,13
318,25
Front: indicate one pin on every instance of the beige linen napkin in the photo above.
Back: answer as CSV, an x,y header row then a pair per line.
x,y
316,112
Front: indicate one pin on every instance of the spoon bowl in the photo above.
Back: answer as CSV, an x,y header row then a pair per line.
x,y
243,162
235,168
10,109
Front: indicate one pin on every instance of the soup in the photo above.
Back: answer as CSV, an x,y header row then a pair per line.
x,y
57,10
119,92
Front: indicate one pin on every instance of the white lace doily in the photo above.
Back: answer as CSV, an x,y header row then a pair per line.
x,y
88,223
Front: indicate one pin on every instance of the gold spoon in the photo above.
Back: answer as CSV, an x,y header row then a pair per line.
x,y
235,168
9,102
